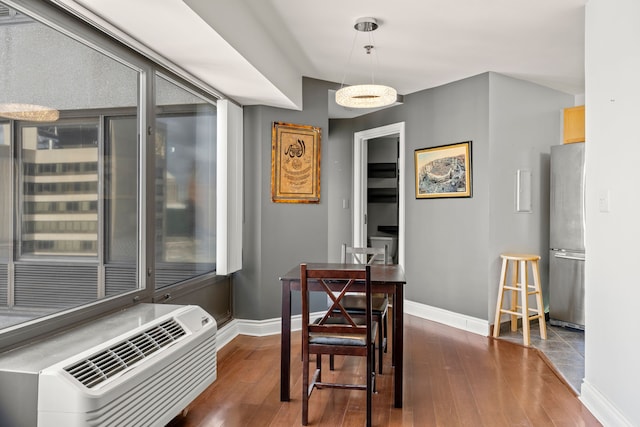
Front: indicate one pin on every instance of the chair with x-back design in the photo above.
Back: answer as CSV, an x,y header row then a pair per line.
x,y
337,332
354,302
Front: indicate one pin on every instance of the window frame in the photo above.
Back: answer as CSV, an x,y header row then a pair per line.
x,y
147,65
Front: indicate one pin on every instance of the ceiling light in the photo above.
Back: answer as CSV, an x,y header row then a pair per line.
x,y
365,95
29,112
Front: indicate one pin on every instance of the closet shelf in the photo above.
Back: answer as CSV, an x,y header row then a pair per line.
x,y
382,170
382,195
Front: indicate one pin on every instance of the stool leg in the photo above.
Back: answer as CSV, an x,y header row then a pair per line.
x,y
538,290
503,278
514,295
524,289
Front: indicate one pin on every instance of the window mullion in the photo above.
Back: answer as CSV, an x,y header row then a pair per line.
x,y
102,150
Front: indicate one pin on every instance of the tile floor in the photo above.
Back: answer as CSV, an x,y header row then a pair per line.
x,y
564,347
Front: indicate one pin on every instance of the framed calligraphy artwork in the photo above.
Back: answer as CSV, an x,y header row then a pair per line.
x,y
295,163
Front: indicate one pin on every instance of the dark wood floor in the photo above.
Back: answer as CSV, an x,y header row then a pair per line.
x,y
451,378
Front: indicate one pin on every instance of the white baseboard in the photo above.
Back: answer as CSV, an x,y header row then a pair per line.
x,y
601,407
227,333
449,318
260,328
256,328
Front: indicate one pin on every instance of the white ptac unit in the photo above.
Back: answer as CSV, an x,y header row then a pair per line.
x,y
139,367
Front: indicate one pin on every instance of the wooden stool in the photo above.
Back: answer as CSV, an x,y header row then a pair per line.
x,y
524,289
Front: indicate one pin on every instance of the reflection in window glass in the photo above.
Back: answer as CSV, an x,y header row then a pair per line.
x,y
62,180
60,173
185,184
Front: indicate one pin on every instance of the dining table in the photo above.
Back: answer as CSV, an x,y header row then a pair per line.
x,y
385,278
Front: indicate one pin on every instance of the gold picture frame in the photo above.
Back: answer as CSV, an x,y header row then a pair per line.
x,y
443,171
295,163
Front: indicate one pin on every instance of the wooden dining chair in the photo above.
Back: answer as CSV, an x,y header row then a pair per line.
x,y
334,333
363,255
354,303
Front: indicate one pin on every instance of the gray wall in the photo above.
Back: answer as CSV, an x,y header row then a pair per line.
x,y
525,121
339,186
447,239
278,236
452,245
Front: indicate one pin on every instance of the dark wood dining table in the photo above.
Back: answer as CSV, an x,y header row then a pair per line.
x,y
385,278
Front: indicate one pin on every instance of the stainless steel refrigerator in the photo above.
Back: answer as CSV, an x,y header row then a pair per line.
x,y
567,224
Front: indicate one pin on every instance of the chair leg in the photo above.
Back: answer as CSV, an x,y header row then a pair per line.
x,y
305,387
370,382
503,278
539,302
372,373
380,343
524,291
385,326
372,359
515,277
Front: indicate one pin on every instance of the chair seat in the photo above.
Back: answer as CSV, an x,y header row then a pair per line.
x,y
344,339
353,303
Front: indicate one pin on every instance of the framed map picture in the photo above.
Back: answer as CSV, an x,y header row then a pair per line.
x,y
295,163
443,171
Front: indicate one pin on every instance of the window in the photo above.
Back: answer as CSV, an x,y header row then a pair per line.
x,y
58,205
77,191
185,184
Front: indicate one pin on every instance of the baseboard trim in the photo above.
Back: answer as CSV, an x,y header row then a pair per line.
x,y
260,328
227,333
256,328
601,407
449,318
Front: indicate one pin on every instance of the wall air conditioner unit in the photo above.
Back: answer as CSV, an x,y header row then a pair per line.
x,y
139,367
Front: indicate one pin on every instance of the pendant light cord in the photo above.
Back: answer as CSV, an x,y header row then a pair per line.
x,y
373,65
353,44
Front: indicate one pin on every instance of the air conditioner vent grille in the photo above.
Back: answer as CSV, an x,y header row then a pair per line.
x,y
104,365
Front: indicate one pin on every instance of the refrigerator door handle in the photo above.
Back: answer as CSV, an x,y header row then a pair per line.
x,y
565,256
584,204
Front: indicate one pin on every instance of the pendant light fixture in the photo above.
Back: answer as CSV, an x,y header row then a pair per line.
x,y
365,95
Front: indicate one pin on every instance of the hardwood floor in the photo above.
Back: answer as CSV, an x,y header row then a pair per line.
x,y
451,378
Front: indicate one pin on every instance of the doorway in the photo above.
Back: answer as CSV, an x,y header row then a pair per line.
x,y
360,190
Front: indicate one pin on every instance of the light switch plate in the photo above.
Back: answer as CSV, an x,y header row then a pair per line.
x,y
603,201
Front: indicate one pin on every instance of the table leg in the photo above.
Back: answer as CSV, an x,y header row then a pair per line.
x,y
285,342
398,314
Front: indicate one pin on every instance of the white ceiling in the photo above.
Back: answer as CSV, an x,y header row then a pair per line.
x,y
256,51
